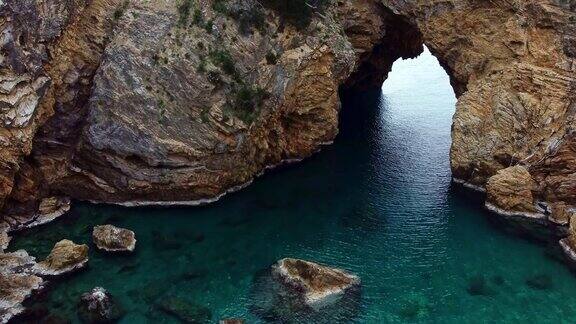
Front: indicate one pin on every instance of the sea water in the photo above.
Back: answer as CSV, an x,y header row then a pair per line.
x,y
379,202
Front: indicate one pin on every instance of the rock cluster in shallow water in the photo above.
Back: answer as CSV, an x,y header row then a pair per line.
x,y
318,285
299,290
21,275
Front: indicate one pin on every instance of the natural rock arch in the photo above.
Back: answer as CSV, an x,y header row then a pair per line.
x,y
142,105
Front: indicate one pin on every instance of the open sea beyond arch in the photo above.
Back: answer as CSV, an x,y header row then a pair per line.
x,y
379,203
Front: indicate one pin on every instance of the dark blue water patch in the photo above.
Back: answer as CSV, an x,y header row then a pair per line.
x,y
379,203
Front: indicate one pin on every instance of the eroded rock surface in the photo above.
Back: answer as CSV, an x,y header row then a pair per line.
x,y
66,256
179,102
560,214
568,244
317,284
510,190
98,306
160,103
114,239
294,290
17,282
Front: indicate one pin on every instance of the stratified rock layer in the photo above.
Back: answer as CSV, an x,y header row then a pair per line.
x,y
510,190
21,275
114,239
17,282
65,257
152,103
164,102
316,284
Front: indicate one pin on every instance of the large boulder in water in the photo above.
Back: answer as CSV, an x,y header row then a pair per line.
x,y
295,290
113,239
317,285
98,306
66,256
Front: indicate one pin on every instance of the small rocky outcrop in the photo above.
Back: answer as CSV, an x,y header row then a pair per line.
x,y
295,290
560,214
66,256
17,282
98,306
316,284
509,191
114,239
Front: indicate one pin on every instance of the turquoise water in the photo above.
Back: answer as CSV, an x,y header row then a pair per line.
x,y
379,202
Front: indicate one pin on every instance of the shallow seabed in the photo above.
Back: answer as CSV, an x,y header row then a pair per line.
x,y
379,202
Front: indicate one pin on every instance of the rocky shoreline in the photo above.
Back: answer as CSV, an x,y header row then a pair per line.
x,y
158,103
21,276
230,115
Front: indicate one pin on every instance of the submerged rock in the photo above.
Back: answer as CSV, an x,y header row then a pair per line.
x,y
98,306
479,286
415,306
317,285
304,291
113,239
66,256
184,310
540,282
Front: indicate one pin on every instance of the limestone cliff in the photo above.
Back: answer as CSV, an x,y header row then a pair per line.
x,y
178,102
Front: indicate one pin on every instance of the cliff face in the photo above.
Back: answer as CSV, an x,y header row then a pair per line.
x,y
178,102
154,102
512,64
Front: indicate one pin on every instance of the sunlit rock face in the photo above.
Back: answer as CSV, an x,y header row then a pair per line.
x,y
113,239
512,66
304,291
151,102
164,102
65,257
511,190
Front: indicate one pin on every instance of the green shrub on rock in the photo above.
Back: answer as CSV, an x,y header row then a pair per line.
x,y
248,101
184,12
297,12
